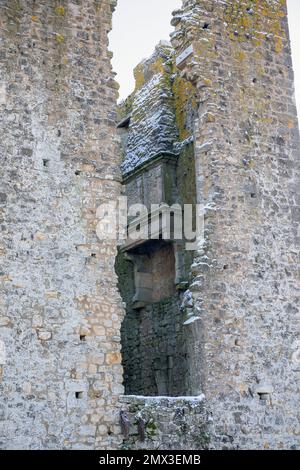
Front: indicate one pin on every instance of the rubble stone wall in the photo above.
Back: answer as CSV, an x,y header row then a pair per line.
x,y
165,423
246,276
227,112
60,308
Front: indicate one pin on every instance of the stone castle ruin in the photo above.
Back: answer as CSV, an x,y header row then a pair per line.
x,y
145,344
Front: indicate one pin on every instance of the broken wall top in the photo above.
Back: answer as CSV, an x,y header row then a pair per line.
x,y
160,110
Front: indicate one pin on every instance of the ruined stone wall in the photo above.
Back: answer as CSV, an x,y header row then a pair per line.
x,y
160,111
60,361
60,308
246,276
165,423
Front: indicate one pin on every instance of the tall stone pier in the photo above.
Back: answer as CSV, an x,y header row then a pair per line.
x,y
246,275
60,310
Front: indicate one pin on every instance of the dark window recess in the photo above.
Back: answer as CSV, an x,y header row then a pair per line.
x,y
154,349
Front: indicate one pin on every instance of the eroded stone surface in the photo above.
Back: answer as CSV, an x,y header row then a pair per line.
x,y
246,278
60,362
166,423
59,304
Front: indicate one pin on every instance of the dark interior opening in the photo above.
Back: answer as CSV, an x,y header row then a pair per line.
x,y
153,337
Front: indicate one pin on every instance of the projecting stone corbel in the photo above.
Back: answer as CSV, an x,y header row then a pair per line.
x,y
184,56
143,280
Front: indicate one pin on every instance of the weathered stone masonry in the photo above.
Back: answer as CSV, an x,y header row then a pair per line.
x,y
246,285
60,308
227,118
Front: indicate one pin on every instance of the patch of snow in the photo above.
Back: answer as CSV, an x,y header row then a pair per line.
x,y
191,320
195,398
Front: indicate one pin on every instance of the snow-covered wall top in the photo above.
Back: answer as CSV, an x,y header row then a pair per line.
x,y
161,110
152,128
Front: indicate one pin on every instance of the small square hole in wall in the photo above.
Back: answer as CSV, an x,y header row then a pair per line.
x,y
46,163
83,338
78,395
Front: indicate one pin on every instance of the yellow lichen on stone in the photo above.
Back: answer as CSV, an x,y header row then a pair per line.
x,y
278,44
59,38
266,120
207,82
34,18
158,66
245,22
60,10
139,77
201,47
240,56
210,117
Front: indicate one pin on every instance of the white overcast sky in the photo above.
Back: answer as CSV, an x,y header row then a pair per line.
x,y
138,25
